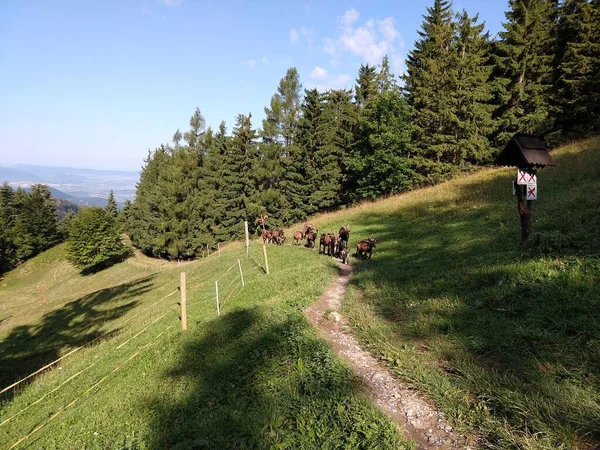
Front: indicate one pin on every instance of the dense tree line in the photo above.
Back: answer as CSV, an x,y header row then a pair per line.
x,y
463,96
28,223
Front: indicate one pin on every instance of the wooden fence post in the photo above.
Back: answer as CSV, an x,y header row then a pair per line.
x,y
183,303
241,274
266,260
219,249
217,290
247,236
207,251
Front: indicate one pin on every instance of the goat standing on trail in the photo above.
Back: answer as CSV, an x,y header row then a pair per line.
x,y
266,235
344,235
298,236
328,241
365,247
311,238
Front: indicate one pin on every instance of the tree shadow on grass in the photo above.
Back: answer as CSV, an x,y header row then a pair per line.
x,y
29,347
91,270
255,381
515,326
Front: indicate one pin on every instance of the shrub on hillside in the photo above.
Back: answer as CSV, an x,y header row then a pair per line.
x,y
94,240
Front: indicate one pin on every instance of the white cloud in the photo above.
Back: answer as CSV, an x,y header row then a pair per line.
x,y
250,63
294,36
387,29
265,60
318,73
335,82
371,41
350,17
171,2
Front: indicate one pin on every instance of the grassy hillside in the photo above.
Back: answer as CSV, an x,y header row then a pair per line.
x,y
257,377
504,338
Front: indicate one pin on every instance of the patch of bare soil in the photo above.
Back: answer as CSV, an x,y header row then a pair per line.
x,y
403,405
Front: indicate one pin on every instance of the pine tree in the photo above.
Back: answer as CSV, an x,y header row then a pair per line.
x,y
473,93
214,185
111,205
336,130
366,84
379,162
431,85
94,240
524,57
241,161
39,217
310,142
578,61
281,173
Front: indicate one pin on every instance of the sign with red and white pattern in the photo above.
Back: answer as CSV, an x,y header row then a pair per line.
x,y
524,177
531,191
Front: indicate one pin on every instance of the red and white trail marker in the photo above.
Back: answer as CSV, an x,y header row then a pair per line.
x,y
532,191
522,176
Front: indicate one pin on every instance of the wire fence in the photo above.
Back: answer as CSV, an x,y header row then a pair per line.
x,y
249,268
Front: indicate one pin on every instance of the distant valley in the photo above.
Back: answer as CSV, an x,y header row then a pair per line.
x,y
80,186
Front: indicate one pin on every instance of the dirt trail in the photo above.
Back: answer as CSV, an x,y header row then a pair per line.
x,y
413,414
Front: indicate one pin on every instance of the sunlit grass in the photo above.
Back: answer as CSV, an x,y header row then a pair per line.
x,y
504,337
256,377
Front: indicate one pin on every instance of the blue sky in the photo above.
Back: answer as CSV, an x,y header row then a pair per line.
x,y
97,83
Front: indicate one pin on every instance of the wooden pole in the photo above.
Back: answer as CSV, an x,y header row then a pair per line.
x,y
207,251
219,249
247,236
183,303
241,274
217,291
525,207
266,259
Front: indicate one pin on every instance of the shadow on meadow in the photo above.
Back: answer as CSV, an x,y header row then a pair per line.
x,y
514,325
29,347
258,381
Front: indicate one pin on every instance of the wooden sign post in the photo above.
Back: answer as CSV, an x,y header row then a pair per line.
x,y
526,191
528,153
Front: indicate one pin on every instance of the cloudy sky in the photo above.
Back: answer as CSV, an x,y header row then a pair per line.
x,y
98,83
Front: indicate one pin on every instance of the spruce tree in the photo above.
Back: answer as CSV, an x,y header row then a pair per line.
x,y
524,67
281,172
366,84
241,161
94,240
111,205
337,127
379,162
474,109
431,85
310,143
578,61
39,217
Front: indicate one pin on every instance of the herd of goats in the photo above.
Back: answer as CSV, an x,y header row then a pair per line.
x,y
331,244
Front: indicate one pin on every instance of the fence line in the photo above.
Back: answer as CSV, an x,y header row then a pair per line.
x,y
227,297
16,383
97,383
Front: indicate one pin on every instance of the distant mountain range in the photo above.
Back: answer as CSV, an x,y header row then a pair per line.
x,y
80,186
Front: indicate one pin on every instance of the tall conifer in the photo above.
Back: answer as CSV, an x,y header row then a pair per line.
x,y
524,67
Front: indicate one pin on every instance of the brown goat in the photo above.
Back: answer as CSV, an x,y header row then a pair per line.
x,y
298,236
365,247
311,238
